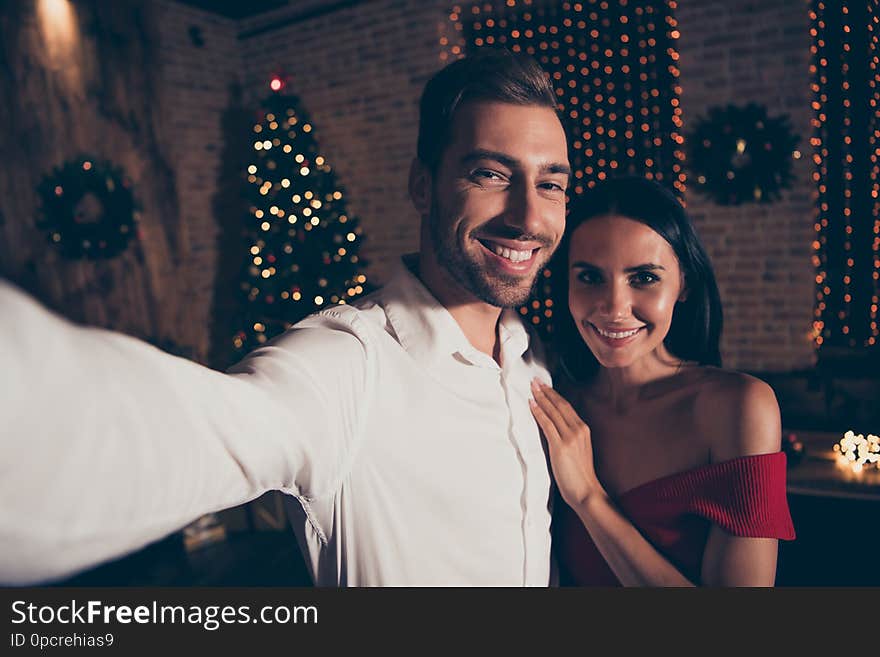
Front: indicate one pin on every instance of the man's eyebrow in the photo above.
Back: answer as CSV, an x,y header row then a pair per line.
x,y
557,167
497,156
511,162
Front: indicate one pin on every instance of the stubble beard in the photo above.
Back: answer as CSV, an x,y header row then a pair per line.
x,y
492,287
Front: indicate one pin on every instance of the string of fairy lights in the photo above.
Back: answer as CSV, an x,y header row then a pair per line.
x,y
614,66
874,145
846,250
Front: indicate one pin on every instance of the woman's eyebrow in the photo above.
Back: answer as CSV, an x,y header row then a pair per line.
x,y
583,264
648,265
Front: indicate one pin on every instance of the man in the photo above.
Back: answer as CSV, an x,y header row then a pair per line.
x,y
400,426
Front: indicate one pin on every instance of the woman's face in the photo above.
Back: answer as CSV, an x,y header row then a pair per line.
x,y
624,281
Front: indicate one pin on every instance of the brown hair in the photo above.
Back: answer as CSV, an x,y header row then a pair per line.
x,y
488,74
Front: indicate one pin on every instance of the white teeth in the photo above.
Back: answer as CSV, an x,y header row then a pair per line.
x,y
617,335
510,254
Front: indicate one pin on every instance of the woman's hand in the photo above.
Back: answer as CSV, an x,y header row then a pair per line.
x,y
569,443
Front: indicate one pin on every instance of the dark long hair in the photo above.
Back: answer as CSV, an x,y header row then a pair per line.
x,y
695,332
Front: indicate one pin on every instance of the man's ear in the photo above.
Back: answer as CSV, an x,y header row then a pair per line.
x,y
420,187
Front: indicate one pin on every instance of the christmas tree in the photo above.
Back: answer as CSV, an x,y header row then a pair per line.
x,y
302,244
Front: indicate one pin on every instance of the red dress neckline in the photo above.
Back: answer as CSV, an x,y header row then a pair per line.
x,y
700,469
745,496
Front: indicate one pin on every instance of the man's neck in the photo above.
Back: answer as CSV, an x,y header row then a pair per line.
x,y
477,319
479,323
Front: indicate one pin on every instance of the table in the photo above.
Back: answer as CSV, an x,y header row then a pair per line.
x,y
835,514
820,475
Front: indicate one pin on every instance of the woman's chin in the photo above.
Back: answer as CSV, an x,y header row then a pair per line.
x,y
614,362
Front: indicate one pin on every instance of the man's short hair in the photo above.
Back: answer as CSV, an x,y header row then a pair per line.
x,y
490,75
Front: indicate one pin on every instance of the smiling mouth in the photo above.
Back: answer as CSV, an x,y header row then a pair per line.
x,y
512,255
618,338
617,335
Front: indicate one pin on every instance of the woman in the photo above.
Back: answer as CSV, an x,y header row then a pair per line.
x,y
676,478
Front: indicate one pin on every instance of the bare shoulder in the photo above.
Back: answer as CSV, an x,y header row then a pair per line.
x,y
739,415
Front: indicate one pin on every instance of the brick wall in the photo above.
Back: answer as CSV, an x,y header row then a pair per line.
x,y
756,51
198,82
359,71
127,88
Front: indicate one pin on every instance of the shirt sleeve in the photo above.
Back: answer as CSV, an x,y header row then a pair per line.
x,y
108,443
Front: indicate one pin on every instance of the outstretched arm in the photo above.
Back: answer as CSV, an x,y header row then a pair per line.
x,y
107,443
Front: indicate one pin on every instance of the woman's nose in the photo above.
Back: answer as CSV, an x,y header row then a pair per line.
x,y
616,301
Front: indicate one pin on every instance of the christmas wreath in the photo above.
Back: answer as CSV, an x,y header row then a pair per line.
x,y
740,155
88,209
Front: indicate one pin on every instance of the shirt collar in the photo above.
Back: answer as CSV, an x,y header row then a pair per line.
x,y
514,336
428,331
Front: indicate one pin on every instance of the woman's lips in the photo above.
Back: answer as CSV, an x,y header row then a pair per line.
x,y
616,338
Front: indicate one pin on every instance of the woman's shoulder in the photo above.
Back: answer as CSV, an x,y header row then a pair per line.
x,y
719,383
738,414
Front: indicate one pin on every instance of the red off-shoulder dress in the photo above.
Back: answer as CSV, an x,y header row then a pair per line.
x,y
744,496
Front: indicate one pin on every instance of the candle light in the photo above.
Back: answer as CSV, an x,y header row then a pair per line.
x,y
856,452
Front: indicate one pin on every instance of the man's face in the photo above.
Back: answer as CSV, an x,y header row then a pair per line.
x,y
497,208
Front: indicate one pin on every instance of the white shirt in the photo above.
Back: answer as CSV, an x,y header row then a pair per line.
x,y
413,456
